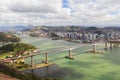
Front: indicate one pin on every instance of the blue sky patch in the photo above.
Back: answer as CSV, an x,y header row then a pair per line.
x,y
65,4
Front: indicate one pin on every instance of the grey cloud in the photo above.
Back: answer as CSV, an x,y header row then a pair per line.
x,y
41,8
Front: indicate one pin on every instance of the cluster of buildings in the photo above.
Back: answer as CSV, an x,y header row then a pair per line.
x,y
74,36
87,37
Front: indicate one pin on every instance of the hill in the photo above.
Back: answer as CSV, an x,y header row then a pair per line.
x,y
16,47
15,28
18,75
6,77
6,37
82,29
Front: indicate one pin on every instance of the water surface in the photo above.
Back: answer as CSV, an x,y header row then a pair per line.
x,y
86,66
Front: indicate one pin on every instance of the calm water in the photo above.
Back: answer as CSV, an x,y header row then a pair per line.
x,y
86,66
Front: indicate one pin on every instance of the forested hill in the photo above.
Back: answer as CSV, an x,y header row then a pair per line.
x,y
74,29
16,47
6,37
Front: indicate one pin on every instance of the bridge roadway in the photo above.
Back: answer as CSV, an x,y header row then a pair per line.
x,y
115,42
46,63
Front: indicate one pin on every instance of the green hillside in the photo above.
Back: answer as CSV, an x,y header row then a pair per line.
x,y
16,47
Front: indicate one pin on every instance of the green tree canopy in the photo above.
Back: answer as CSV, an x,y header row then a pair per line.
x,y
16,47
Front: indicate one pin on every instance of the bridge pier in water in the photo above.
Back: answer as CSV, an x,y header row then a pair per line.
x,y
118,44
114,43
94,50
70,53
46,55
110,45
106,46
32,65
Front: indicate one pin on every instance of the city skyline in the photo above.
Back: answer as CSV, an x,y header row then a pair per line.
x,y
60,12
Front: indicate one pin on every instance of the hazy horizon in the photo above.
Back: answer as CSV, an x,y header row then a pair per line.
x,y
30,25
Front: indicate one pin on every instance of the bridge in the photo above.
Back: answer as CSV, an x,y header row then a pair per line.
x,y
46,62
112,43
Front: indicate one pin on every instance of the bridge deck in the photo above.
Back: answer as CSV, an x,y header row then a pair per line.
x,y
39,66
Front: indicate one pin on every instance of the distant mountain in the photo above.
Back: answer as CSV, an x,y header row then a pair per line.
x,y
57,29
82,29
15,28
113,28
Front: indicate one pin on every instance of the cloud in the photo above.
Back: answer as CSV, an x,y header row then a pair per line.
x,y
42,6
59,12
96,11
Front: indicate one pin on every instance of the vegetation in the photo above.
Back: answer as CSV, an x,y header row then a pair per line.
x,y
9,69
54,35
21,75
16,47
55,29
8,38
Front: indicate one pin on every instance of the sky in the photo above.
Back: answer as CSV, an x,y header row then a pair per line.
x,y
59,12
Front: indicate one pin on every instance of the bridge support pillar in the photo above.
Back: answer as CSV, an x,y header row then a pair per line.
x,y
70,54
46,61
106,46
110,45
93,48
115,44
118,44
32,65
